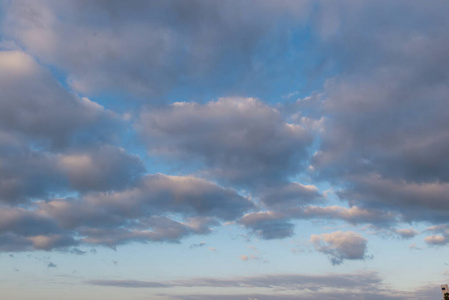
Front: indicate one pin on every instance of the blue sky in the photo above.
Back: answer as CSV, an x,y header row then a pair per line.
x,y
248,150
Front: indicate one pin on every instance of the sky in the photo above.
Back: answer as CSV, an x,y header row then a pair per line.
x,y
206,149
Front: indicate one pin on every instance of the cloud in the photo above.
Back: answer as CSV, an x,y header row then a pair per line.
x,y
383,137
406,233
289,195
327,295
35,105
313,283
423,201
238,140
101,168
129,283
29,174
366,285
353,215
254,255
436,240
440,236
200,244
140,213
277,224
188,195
268,225
340,245
53,141
150,48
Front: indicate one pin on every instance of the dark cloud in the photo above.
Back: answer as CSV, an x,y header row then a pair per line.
x,y
340,246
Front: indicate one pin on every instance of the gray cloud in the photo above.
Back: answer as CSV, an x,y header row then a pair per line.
x,y
188,195
314,296
406,233
34,104
268,225
149,47
384,137
242,141
290,195
365,285
412,200
51,140
276,224
10,242
27,174
101,168
239,141
353,215
30,174
134,214
340,246
282,281
129,283
200,244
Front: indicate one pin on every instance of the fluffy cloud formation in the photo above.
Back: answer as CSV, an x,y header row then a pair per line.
x,y
29,174
277,224
268,225
101,168
340,245
51,140
378,124
35,105
136,214
239,140
384,137
148,48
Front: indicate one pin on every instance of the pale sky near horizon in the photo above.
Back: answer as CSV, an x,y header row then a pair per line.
x,y
247,150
